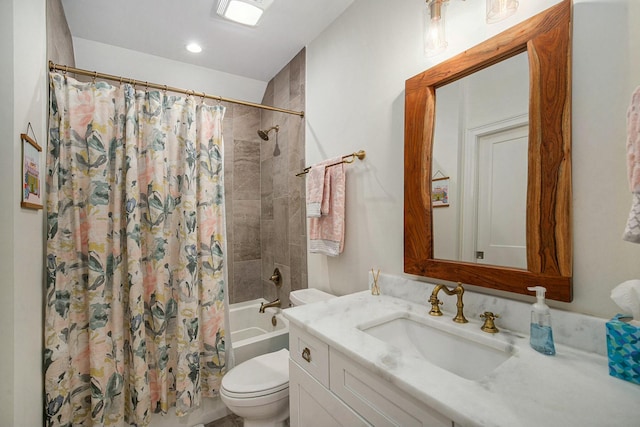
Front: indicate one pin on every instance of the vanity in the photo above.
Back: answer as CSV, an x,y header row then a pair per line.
x,y
362,360
382,360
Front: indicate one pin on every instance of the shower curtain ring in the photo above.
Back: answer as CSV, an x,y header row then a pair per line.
x,y
202,98
66,68
219,100
95,75
165,89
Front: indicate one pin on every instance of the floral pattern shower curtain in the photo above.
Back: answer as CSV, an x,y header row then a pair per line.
x,y
135,291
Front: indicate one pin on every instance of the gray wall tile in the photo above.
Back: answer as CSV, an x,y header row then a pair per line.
x,y
246,170
246,122
247,281
246,230
266,223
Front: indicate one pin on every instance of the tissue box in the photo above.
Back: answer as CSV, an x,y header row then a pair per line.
x,y
623,348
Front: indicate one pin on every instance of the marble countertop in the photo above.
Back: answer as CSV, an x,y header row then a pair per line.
x,y
572,388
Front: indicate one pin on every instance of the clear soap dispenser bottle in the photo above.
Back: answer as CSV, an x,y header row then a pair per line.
x,y
541,333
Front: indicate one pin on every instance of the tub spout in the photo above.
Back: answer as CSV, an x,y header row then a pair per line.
x,y
275,303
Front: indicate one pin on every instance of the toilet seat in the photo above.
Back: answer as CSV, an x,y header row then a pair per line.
x,y
265,376
255,401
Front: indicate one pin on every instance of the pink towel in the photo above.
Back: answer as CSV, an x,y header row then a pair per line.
x,y
315,190
319,188
632,230
326,234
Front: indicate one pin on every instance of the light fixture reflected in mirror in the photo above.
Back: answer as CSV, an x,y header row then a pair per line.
x,y
497,10
435,40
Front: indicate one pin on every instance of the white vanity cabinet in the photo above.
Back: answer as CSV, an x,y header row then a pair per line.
x,y
313,405
326,388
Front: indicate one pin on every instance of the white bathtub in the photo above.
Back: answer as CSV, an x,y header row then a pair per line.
x,y
252,332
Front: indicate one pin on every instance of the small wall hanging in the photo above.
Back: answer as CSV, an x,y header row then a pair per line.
x,y
31,179
439,191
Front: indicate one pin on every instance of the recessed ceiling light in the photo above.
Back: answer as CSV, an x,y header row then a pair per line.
x,y
247,12
194,48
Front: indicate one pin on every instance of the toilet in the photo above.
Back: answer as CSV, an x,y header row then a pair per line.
x,y
258,389
308,296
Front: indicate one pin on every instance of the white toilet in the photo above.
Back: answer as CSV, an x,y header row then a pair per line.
x,y
258,389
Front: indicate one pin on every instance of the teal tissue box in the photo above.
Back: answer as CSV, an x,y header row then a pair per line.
x,y
623,348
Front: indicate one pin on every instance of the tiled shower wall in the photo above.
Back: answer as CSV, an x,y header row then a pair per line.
x,y
266,225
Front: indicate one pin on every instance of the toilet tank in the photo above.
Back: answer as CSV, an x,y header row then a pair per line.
x,y
308,296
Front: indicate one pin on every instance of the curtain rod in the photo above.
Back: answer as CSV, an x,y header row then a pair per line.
x,y
95,74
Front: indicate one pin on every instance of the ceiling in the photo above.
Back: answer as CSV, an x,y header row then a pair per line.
x,y
164,27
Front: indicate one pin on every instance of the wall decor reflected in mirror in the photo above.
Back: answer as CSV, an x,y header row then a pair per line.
x,y
497,118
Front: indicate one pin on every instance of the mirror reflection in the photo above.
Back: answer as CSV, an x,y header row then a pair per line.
x,y
481,145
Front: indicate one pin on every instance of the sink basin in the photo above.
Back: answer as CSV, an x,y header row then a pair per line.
x,y
468,358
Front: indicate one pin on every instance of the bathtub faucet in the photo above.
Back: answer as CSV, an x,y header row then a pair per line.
x,y
275,303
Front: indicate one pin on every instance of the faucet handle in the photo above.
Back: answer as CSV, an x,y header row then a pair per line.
x,y
276,278
489,326
435,306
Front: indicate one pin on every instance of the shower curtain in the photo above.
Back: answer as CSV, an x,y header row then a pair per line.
x,y
135,286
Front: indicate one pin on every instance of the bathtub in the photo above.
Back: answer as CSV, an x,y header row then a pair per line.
x,y
252,332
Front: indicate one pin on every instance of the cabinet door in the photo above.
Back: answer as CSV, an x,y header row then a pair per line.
x,y
312,405
378,401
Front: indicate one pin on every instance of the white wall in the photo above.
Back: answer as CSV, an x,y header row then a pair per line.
x,y
484,98
446,148
8,142
21,247
356,71
104,58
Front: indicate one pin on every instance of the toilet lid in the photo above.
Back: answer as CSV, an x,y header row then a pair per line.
x,y
264,374
308,296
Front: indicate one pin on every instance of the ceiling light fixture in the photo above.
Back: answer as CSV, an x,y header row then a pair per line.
x,y
247,12
194,48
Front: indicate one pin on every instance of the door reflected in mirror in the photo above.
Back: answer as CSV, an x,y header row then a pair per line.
x,y
481,143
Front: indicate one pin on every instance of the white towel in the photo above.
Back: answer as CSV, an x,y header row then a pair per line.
x,y
632,230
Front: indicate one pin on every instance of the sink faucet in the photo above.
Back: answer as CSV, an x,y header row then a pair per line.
x,y
435,302
275,303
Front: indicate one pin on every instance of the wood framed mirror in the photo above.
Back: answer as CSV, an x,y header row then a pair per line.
x,y
546,38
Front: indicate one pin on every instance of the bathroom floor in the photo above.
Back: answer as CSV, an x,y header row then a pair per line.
x,y
230,420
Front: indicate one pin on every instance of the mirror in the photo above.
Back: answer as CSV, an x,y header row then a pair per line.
x,y
545,39
480,143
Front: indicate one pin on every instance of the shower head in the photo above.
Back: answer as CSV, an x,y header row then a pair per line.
x,y
264,134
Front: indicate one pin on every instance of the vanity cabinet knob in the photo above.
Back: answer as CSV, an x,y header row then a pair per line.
x,y
306,354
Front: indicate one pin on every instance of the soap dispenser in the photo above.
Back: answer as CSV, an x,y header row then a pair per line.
x,y
541,334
